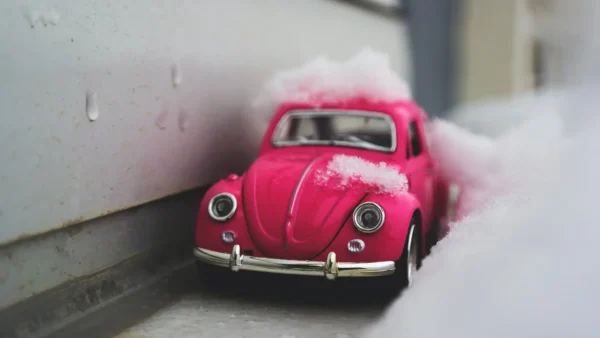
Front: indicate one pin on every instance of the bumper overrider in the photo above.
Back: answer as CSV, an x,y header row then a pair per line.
x,y
330,269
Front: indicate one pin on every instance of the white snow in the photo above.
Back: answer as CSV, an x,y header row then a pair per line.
x,y
366,74
523,263
484,167
345,171
493,117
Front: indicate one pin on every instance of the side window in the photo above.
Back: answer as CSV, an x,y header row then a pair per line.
x,y
415,140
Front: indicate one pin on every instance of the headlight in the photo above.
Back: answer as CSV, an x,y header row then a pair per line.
x,y
368,217
222,207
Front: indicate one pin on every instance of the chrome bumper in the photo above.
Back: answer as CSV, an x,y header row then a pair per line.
x,y
330,269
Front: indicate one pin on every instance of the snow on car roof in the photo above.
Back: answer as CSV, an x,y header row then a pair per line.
x,y
367,74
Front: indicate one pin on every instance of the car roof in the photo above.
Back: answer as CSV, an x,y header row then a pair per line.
x,y
398,110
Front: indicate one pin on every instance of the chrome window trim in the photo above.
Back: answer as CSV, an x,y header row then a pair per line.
x,y
335,112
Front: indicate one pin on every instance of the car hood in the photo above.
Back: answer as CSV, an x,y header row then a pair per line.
x,y
288,214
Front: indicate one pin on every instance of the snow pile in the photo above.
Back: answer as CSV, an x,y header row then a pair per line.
x,y
522,263
347,172
484,168
368,75
493,117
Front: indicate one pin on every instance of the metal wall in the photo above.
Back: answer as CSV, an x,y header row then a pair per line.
x,y
111,104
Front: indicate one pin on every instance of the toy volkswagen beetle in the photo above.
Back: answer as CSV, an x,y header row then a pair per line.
x,y
337,190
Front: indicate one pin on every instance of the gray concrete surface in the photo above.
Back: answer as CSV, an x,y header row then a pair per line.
x,y
267,306
246,305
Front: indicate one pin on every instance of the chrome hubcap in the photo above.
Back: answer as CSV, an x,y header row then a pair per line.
x,y
413,256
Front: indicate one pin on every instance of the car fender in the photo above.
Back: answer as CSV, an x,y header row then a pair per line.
x,y
386,244
208,231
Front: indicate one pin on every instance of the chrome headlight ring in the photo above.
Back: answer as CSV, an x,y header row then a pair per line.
x,y
222,199
368,212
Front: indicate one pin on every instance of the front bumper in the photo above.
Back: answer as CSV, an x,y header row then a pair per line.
x,y
330,269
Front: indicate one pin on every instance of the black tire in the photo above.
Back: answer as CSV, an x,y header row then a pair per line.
x,y
410,260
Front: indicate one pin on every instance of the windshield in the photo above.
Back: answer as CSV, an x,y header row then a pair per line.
x,y
360,129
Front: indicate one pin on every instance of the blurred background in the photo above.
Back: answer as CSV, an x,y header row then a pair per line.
x,y
118,114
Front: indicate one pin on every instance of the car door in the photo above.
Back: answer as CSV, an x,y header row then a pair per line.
x,y
419,170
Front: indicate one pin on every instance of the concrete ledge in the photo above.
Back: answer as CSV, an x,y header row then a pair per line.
x,y
51,281
375,7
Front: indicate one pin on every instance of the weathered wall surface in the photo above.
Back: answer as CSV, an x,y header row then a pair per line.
x,y
110,104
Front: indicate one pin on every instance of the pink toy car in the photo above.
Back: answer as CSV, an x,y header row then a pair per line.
x,y
342,190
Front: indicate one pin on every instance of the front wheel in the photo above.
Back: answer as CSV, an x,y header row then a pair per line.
x,y
409,262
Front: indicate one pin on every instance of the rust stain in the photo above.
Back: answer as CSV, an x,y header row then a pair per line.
x,y
72,221
75,230
56,139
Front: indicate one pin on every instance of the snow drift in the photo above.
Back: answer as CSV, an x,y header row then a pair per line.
x,y
484,168
522,262
494,117
367,74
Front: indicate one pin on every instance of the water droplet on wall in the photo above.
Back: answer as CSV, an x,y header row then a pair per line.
x,y
50,17
32,17
91,106
47,17
182,120
176,76
161,119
